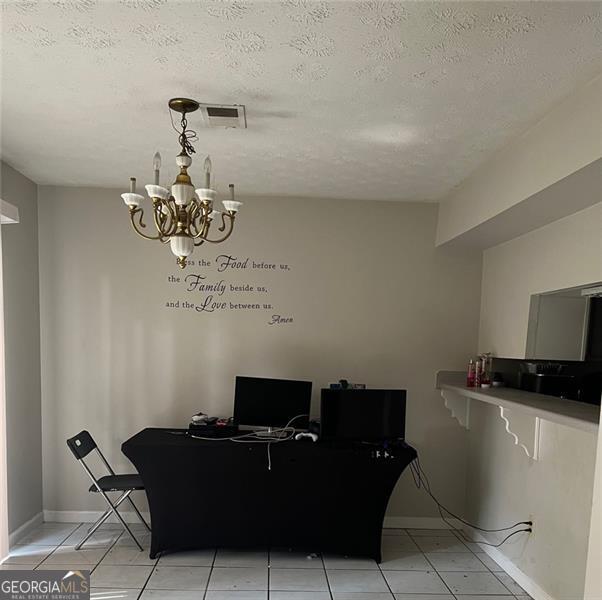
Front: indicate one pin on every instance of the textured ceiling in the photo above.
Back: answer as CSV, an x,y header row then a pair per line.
x,y
372,100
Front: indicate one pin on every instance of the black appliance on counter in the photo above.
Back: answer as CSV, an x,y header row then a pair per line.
x,y
563,386
548,378
573,380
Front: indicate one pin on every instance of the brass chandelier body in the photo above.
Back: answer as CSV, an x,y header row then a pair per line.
x,y
184,217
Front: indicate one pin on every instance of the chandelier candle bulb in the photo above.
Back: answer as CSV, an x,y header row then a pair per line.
x,y
157,166
132,185
231,186
208,172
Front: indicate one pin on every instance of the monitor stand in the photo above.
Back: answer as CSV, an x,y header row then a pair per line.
x,y
270,433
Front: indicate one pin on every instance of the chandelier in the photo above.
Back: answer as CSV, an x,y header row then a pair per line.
x,y
183,217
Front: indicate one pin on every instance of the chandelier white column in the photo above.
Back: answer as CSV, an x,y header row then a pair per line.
x,y
184,217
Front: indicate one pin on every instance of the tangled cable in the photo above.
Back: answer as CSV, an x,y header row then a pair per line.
x,y
283,434
421,481
186,136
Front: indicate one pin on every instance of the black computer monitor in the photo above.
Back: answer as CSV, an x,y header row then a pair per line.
x,y
271,402
362,415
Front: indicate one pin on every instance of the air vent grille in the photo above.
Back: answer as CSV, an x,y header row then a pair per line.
x,y
224,115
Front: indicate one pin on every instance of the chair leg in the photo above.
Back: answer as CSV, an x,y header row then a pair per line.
x,y
101,518
138,513
100,521
114,510
129,532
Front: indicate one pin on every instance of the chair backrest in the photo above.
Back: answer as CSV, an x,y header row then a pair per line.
x,y
81,444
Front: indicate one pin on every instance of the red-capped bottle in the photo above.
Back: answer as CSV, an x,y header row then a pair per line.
x,y
478,373
470,375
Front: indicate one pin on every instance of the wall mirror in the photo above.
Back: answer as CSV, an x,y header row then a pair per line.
x,y
566,324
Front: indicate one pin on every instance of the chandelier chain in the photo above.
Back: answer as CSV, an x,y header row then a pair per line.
x,y
186,136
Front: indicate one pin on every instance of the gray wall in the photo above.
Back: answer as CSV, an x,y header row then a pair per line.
x,y
372,299
22,348
504,485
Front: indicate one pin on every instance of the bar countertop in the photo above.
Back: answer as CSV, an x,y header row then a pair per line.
x,y
557,410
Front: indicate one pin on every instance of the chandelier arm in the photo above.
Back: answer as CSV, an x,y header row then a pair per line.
x,y
222,228
200,234
223,225
164,221
160,218
173,220
173,214
204,230
192,219
140,212
202,219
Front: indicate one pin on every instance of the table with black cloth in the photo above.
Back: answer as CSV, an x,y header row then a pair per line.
x,y
318,497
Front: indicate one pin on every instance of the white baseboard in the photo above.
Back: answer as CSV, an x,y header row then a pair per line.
x,y
24,529
90,516
419,523
533,589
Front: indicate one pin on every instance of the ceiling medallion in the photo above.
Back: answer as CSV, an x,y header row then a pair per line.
x,y
182,218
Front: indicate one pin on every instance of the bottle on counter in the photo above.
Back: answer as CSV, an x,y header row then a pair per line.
x,y
486,369
478,372
470,375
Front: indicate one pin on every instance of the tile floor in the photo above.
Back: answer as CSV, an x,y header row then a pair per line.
x,y
418,564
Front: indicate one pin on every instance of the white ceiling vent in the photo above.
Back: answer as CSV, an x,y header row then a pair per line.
x,y
224,115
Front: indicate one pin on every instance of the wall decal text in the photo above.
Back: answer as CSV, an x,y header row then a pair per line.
x,y
228,283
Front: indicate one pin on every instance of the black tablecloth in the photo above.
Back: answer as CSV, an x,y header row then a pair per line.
x,y
316,497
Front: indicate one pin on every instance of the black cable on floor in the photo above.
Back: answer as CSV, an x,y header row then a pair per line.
x,y
421,481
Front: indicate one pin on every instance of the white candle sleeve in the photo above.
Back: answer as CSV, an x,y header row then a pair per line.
x,y
157,166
